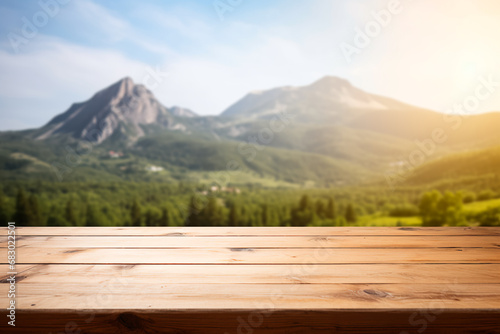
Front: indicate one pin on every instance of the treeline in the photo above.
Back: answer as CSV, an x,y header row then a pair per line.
x,y
447,209
175,205
200,211
155,204
212,212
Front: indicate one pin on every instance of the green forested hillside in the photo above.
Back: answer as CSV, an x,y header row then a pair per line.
x,y
181,156
481,166
196,154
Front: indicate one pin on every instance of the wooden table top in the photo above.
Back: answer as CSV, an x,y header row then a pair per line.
x,y
254,280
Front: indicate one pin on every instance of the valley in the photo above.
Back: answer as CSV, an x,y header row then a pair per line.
x,y
325,142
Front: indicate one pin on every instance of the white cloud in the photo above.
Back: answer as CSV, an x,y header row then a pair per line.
x,y
56,75
58,66
100,24
182,23
88,17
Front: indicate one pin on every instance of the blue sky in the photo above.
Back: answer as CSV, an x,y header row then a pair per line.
x,y
429,53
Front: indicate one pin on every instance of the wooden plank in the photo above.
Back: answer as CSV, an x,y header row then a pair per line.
x,y
298,280
258,274
254,256
123,295
254,231
258,322
261,242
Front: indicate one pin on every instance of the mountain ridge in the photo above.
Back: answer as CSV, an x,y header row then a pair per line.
x,y
333,92
123,106
353,135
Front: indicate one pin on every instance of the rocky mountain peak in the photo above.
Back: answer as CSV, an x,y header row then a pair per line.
x,y
123,106
329,82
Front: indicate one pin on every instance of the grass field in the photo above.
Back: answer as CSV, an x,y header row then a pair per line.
x,y
476,207
374,220
377,220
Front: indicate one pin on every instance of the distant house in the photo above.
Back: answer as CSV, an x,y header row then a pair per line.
x,y
113,154
154,169
216,189
231,190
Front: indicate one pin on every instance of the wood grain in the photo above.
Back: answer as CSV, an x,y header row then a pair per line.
x,y
254,280
254,231
260,242
257,274
259,322
123,294
255,256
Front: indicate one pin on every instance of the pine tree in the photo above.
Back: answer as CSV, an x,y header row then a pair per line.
x,y
429,208
149,219
69,214
135,214
234,218
305,203
340,221
196,210
54,218
274,219
35,215
91,217
350,214
165,217
22,213
257,219
320,209
266,219
4,217
212,213
331,212
244,216
304,214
